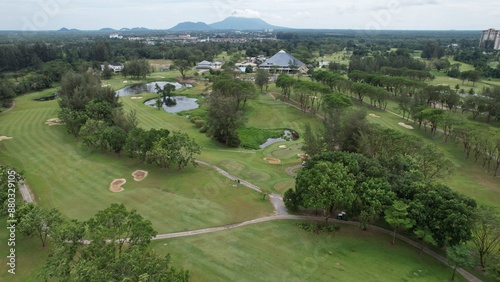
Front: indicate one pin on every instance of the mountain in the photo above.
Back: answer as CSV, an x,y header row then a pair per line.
x,y
68,30
191,26
107,29
238,23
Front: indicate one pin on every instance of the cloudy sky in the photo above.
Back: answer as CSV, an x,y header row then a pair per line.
x,y
327,14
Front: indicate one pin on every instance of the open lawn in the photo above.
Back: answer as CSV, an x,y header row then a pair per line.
x,y
281,251
65,175
338,57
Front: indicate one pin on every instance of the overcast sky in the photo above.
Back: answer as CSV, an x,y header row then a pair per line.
x,y
327,14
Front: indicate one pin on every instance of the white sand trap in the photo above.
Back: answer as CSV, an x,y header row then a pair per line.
x,y
374,115
139,175
53,121
5,138
405,125
136,98
125,81
282,146
116,185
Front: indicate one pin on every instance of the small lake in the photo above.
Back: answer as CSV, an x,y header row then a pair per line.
x,y
183,104
288,134
148,87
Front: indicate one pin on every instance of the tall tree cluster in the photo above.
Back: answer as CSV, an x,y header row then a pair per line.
x,y
93,114
226,108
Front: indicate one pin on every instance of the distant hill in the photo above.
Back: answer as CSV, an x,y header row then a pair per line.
x,y
107,29
135,29
191,26
68,30
238,23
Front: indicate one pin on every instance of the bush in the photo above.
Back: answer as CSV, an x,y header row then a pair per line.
x,y
319,227
200,123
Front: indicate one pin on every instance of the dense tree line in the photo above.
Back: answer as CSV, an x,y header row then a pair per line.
x,y
111,246
93,114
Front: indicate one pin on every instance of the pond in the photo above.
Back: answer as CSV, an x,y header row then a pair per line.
x,y
148,87
183,104
288,134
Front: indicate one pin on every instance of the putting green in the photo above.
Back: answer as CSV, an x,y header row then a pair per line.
x,y
288,152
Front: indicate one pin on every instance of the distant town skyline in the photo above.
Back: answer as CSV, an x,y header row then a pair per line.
x,y
314,14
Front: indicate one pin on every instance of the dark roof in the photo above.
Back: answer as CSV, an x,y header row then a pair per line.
x,y
282,59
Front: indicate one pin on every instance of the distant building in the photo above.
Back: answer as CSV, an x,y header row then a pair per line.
x,y
284,62
490,39
115,36
116,67
206,65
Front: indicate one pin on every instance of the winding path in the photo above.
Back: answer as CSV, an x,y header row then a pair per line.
x,y
426,250
290,170
280,214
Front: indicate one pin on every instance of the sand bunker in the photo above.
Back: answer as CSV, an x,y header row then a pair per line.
x,y
116,185
53,121
139,175
282,146
374,115
135,98
5,138
303,156
405,125
272,160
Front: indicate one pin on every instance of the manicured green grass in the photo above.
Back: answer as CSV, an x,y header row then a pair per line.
x,y
65,175
265,112
281,251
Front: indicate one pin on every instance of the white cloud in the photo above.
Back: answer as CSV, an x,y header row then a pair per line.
x,y
246,13
414,14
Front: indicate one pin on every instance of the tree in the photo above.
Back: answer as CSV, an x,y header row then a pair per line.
x,y
182,66
285,82
397,216
314,143
6,91
107,72
327,186
111,246
164,95
486,233
262,78
223,119
445,214
138,68
114,138
39,222
91,133
459,256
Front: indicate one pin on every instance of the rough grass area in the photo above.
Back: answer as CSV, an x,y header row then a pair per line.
x,y
252,138
282,251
